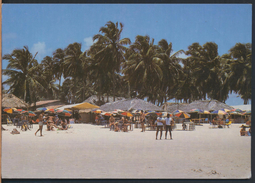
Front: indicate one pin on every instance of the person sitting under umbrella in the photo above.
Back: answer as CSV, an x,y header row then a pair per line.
x,y
63,124
243,131
50,123
125,125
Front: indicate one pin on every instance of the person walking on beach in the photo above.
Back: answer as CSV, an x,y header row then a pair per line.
x,y
160,122
40,123
142,120
168,126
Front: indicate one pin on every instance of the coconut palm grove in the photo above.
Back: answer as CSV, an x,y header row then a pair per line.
x,y
115,66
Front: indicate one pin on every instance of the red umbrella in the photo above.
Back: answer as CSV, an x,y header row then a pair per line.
x,y
19,110
29,113
50,110
65,114
63,111
182,115
9,110
106,113
128,114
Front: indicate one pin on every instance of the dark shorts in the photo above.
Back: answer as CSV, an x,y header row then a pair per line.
x,y
160,127
168,127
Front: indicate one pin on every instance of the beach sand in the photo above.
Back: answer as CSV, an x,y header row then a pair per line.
x,y
88,151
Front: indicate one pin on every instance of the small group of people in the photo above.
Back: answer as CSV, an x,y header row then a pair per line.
x,y
122,124
243,131
99,119
52,121
168,122
221,122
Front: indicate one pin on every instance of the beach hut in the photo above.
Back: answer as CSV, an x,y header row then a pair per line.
x,y
11,101
208,105
84,107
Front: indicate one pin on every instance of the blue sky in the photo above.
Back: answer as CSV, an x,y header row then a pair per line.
x,y
46,27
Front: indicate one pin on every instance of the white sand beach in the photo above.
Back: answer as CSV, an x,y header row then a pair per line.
x,y
88,151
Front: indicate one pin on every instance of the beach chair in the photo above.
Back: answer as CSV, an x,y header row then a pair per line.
x,y
9,121
19,124
228,124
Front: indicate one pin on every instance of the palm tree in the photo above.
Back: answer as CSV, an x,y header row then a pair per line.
x,y
48,70
142,69
110,49
24,76
73,62
239,70
170,67
205,65
58,57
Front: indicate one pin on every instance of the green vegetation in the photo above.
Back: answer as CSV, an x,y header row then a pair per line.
x,y
116,67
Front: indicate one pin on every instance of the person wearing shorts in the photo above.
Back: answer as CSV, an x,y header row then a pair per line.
x,y
111,122
40,123
168,126
142,119
160,122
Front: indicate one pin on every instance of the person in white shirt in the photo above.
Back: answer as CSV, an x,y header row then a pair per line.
x,y
160,122
169,122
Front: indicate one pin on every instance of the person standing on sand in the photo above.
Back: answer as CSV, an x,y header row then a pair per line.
x,y
168,126
142,120
40,123
160,122
111,122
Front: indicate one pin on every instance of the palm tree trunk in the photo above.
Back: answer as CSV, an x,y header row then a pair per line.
x,y
129,90
74,90
59,90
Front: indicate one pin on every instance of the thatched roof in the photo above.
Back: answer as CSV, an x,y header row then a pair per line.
x,y
174,106
48,103
10,100
130,104
94,100
199,104
243,107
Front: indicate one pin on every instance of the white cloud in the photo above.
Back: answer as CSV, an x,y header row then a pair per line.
x,y
39,47
88,42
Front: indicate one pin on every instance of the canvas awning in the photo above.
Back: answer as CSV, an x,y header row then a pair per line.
x,y
84,105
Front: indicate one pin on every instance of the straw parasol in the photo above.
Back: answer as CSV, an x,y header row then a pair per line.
x,y
11,101
209,105
129,105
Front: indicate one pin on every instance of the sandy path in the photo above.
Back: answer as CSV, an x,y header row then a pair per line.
x,y
88,151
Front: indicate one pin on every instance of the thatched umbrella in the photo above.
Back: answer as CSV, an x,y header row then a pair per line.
x,y
10,100
130,104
